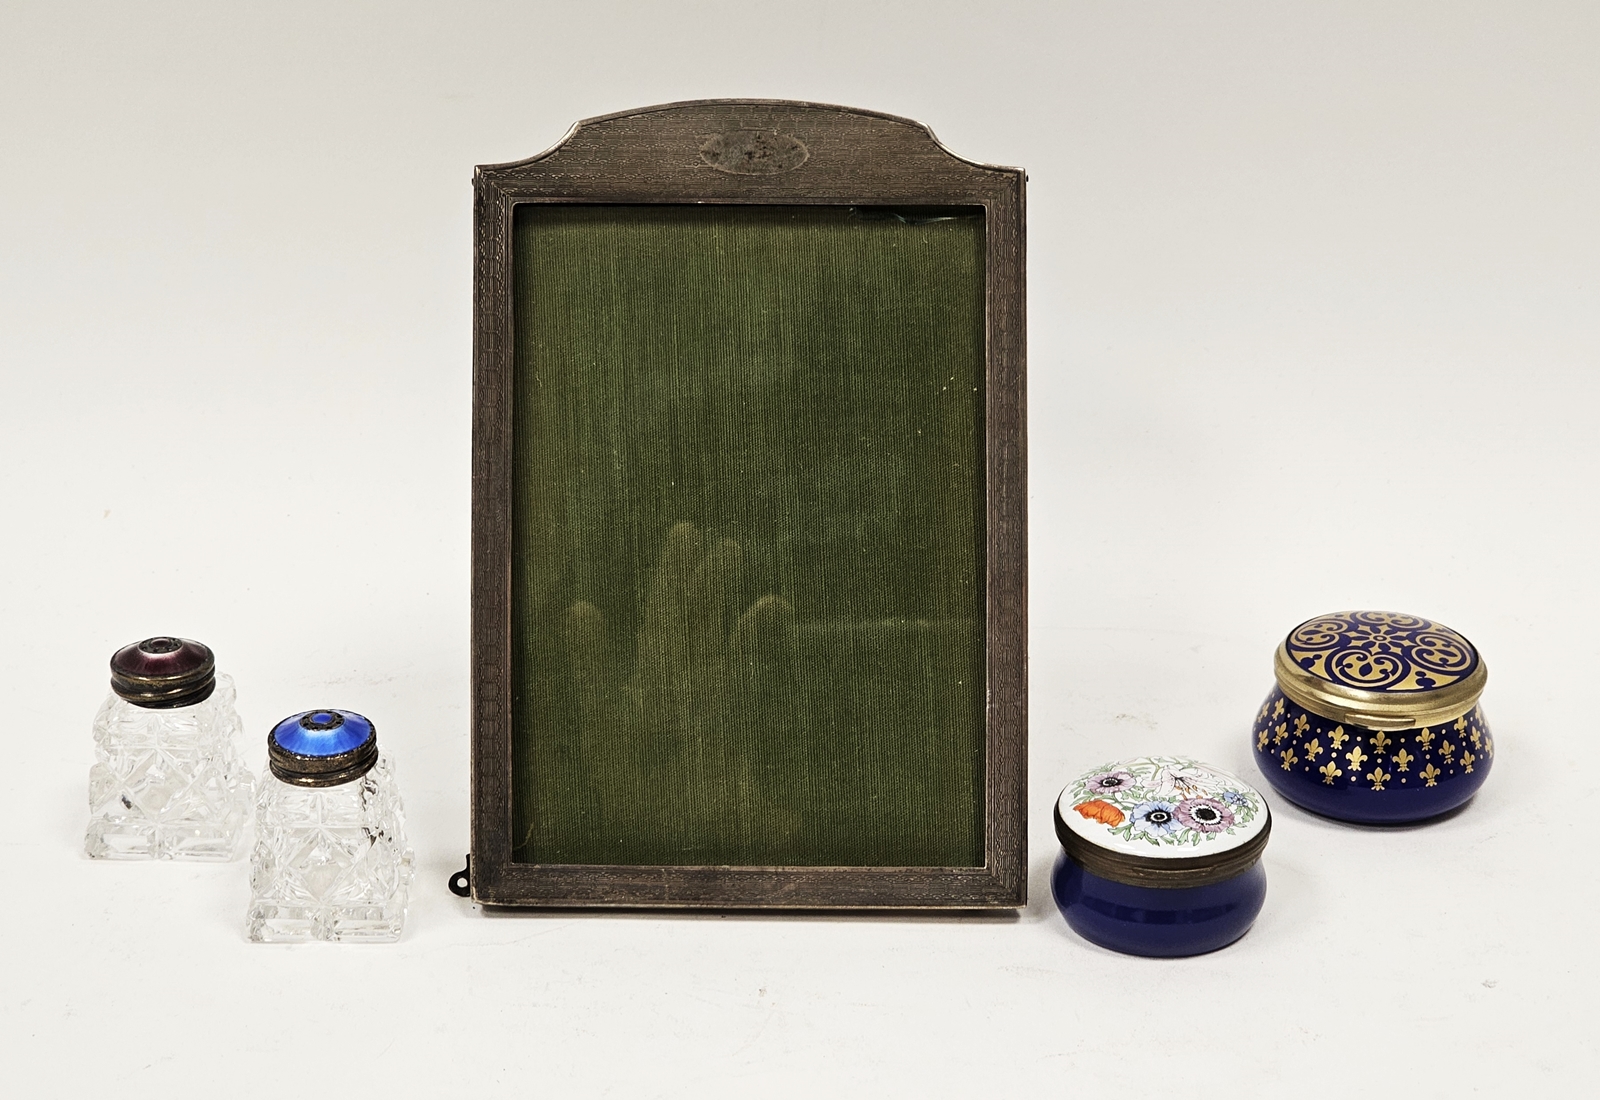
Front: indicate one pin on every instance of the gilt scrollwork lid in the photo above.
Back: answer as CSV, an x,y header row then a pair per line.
x,y
1380,669
1162,820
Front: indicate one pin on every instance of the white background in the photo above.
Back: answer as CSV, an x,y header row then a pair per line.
x,y
1314,292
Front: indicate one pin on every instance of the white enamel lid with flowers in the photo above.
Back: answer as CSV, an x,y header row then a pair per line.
x,y
1163,807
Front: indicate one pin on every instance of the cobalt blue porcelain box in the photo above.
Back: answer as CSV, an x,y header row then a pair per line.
x,y
1375,718
1160,855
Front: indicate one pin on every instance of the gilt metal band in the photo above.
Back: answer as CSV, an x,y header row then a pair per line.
x,y
1378,710
1169,874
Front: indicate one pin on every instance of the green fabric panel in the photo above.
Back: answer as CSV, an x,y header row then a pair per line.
x,y
747,581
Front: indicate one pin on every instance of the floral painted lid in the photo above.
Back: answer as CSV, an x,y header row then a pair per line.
x,y
1380,669
1162,820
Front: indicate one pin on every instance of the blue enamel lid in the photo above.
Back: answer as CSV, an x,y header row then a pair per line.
x,y
322,732
322,748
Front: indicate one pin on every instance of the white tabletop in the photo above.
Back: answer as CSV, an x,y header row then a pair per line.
x,y
1314,323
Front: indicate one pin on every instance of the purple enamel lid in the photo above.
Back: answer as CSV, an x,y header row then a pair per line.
x,y
164,672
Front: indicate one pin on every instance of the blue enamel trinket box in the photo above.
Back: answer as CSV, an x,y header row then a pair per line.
x,y
1160,855
1375,718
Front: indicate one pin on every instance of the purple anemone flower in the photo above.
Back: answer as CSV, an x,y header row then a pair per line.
x,y
1110,783
1205,815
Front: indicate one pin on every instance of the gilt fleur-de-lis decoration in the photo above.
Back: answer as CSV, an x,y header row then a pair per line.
x,y
1425,738
1262,717
1466,760
1277,711
1330,771
1378,777
1402,760
1261,739
1447,750
1279,732
1461,723
1430,776
1356,757
1488,746
1289,758
1338,737
1477,739
1301,723
1313,749
1380,741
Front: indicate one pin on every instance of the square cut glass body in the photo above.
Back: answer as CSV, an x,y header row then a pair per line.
x,y
330,863
169,783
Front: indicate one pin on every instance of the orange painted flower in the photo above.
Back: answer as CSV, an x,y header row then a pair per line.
x,y
1096,810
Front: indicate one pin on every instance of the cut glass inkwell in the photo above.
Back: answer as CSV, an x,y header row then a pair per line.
x,y
168,780
330,861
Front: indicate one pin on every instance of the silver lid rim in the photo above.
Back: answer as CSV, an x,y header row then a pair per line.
x,y
1168,874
